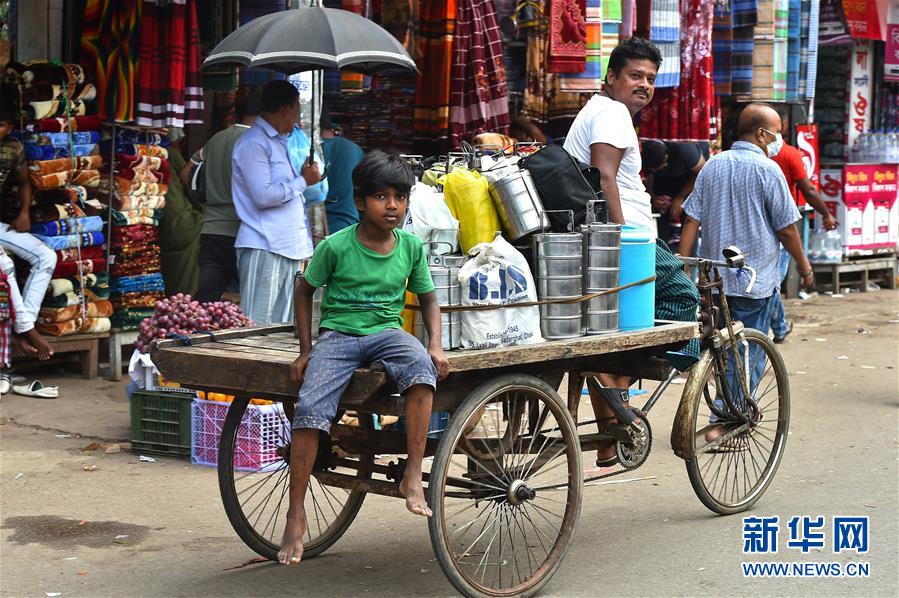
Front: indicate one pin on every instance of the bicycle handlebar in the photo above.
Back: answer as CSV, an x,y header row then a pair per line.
x,y
733,259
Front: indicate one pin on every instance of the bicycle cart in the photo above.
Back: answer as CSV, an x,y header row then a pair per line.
x,y
506,479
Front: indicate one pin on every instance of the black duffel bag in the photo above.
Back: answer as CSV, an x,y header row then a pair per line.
x,y
562,182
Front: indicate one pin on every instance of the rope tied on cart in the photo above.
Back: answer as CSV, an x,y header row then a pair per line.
x,y
562,301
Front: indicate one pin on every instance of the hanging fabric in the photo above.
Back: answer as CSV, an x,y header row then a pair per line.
x,y
832,30
683,113
590,80
354,82
611,24
400,18
628,18
109,52
809,67
432,92
745,17
664,31
169,89
479,99
722,46
567,51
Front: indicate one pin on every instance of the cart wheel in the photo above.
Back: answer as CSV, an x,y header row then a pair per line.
x,y
254,479
730,475
504,516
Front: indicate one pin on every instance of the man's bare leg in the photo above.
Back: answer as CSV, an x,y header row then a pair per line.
x,y
418,417
602,411
303,449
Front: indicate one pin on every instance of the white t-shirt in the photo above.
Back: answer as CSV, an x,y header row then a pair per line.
x,y
603,120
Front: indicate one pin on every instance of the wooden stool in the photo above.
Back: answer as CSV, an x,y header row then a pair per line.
x,y
86,345
117,340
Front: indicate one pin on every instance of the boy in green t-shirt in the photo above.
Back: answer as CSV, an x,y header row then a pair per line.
x,y
367,268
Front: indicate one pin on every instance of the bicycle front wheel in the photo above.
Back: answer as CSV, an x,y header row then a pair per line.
x,y
733,461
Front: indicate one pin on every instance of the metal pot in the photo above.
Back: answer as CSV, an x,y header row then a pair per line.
x,y
445,274
602,255
518,204
558,271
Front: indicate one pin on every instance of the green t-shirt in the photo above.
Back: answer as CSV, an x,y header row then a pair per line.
x,y
366,290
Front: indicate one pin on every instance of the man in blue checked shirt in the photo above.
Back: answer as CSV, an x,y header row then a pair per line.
x,y
741,198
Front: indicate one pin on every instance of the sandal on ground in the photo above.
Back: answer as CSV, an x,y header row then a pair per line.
x,y
37,390
608,461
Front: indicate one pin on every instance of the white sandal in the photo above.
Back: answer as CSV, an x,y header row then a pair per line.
x,y
37,390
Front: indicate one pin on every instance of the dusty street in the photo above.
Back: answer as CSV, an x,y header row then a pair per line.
x,y
158,529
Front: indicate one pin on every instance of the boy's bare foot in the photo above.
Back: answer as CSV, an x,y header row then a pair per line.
x,y
412,489
26,347
43,350
291,552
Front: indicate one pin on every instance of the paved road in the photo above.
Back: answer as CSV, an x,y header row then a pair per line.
x,y
649,537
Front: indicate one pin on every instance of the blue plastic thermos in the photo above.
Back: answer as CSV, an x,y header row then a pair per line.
x,y
636,305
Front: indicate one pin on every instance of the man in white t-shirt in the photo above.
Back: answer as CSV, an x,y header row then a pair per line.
x,y
603,135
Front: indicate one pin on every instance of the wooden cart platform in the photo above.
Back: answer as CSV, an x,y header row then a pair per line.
x,y
255,361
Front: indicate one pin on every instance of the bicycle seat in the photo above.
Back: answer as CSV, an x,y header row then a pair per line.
x,y
734,257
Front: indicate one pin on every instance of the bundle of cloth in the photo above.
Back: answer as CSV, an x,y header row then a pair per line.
x,y
71,233
141,176
82,318
66,291
45,90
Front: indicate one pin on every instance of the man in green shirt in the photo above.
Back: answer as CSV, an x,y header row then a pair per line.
x,y
366,269
218,258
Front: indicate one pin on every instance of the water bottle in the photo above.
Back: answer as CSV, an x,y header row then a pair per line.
x,y
874,147
862,154
894,147
833,246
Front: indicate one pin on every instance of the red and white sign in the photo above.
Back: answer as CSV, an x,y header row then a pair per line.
x,y
807,143
860,89
891,57
864,19
869,198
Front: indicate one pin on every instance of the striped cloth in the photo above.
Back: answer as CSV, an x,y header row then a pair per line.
x,y
610,38
665,33
812,63
664,21
794,50
612,11
479,99
765,27
763,69
432,94
169,90
779,92
745,12
781,19
741,61
832,28
353,82
590,81
676,299
722,45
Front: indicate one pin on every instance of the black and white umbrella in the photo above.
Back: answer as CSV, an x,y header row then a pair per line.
x,y
305,39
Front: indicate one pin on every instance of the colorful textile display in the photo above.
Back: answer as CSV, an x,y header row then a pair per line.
x,y
478,95
169,88
808,66
590,80
57,125
130,318
74,240
684,113
664,31
92,309
93,252
567,48
69,226
722,44
79,268
44,167
432,95
61,286
400,18
109,50
136,284
34,151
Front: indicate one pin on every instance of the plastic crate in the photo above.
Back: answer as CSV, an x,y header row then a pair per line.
x,y
261,433
160,423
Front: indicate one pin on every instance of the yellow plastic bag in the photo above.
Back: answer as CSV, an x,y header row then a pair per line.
x,y
468,199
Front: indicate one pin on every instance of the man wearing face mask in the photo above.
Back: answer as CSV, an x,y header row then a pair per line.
x,y
741,198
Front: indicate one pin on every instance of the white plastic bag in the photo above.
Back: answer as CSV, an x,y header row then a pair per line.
x,y
498,275
431,220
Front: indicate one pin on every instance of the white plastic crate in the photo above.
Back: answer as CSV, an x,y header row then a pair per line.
x,y
263,430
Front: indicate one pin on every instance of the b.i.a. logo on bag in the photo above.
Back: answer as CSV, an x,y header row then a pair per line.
x,y
512,281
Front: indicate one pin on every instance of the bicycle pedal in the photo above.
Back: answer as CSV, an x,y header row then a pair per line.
x,y
619,432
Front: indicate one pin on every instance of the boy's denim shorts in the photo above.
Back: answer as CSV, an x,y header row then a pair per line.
x,y
334,358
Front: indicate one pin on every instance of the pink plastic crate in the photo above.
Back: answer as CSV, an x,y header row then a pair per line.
x,y
263,430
